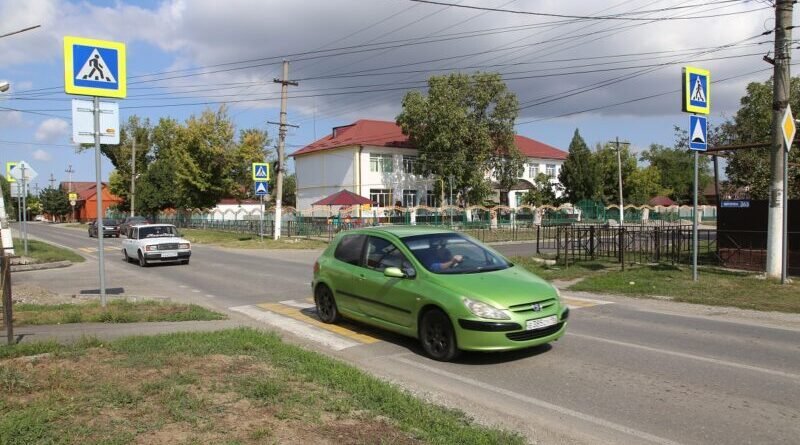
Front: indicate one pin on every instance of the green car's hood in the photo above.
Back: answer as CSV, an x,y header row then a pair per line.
x,y
500,288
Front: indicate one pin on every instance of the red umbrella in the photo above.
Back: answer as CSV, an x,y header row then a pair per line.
x,y
342,198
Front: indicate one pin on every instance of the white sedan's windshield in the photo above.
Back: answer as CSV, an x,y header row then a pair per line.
x,y
157,231
453,253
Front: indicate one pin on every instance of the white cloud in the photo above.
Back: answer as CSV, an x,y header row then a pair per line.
x,y
10,119
41,155
51,130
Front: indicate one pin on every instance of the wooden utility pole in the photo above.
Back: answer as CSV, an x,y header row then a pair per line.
x,y
133,175
281,144
776,242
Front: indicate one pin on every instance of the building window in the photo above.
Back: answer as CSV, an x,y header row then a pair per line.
x,y
381,197
409,198
431,199
380,163
533,170
408,163
551,170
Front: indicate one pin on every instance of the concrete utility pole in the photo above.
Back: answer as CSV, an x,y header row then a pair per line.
x,y
619,175
133,175
69,171
52,181
780,99
281,144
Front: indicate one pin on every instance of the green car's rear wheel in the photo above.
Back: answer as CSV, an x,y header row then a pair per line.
x,y
437,336
326,304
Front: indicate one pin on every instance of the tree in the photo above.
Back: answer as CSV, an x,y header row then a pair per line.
x,y
54,201
11,208
542,193
289,197
508,166
753,124
579,175
459,126
606,159
252,147
645,183
676,168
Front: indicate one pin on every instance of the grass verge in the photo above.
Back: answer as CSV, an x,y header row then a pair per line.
x,y
247,240
715,287
42,252
235,386
116,311
560,272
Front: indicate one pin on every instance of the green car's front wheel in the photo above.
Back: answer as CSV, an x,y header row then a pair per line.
x,y
437,336
326,304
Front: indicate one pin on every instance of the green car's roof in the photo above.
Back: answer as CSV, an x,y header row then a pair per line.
x,y
404,231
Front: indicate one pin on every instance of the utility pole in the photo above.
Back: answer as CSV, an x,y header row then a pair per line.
x,y
281,144
69,171
24,208
776,240
133,175
619,175
52,181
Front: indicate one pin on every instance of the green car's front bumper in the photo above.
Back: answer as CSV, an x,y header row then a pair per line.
x,y
503,335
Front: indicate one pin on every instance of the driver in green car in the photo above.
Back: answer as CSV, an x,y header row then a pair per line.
x,y
444,259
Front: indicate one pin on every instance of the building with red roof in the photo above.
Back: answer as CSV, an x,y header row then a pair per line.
x,y
375,159
86,204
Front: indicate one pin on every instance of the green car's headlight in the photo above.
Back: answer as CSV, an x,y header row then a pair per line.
x,y
484,310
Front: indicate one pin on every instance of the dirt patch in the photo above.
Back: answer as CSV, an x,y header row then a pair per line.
x,y
35,294
181,399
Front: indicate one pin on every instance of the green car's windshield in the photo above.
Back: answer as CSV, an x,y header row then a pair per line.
x,y
451,253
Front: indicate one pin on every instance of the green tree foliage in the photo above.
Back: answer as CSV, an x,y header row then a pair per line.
x,y
54,201
645,183
753,124
252,147
459,126
508,166
289,189
606,159
542,193
579,174
676,168
11,208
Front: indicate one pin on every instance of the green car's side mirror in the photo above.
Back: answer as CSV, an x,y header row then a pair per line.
x,y
393,272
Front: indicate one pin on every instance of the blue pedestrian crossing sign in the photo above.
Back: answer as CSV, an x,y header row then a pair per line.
x,y
261,188
696,87
698,133
94,67
260,171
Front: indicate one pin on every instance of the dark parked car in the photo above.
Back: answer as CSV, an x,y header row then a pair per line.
x,y
110,228
132,221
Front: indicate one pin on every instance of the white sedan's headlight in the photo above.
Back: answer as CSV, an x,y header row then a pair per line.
x,y
184,246
484,310
151,248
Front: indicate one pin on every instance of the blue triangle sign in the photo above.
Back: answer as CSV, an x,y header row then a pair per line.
x,y
261,188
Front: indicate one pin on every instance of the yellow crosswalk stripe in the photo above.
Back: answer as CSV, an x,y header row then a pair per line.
x,y
298,314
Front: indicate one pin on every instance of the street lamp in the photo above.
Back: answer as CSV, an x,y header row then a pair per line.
x,y
4,86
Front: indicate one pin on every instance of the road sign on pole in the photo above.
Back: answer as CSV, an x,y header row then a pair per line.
x,y
94,67
261,188
260,171
698,133
696,87
83,122
23,168
9,167
788,127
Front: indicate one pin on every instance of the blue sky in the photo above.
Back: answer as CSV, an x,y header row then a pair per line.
x,y
356,58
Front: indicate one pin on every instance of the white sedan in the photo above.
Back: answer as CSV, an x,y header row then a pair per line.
x,y
150,243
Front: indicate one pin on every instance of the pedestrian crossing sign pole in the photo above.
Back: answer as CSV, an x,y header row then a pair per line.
x,y
696,99
96,68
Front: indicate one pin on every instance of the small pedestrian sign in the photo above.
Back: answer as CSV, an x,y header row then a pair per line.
x,y
262,188
696,87
10,166
94,67
73,197
698,133
260,171
788,127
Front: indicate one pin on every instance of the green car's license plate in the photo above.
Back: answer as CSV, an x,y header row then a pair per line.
x,y
541,322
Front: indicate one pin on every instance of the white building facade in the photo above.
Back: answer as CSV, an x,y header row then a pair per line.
x,y
374,159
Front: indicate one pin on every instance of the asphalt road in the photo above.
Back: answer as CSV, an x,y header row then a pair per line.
x,y
628,371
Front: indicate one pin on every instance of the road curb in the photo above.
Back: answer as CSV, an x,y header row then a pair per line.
x,y
40,266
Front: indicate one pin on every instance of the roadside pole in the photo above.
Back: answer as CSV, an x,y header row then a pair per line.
x,y
99,190
24,222
133,175
694,220
281,144
261,221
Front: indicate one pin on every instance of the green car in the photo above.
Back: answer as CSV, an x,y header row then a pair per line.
x,y
442,287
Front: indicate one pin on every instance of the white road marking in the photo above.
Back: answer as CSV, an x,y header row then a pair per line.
x,y
298,328
540,403
298,304
209,296
196,291
587,300
183,286
690,356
